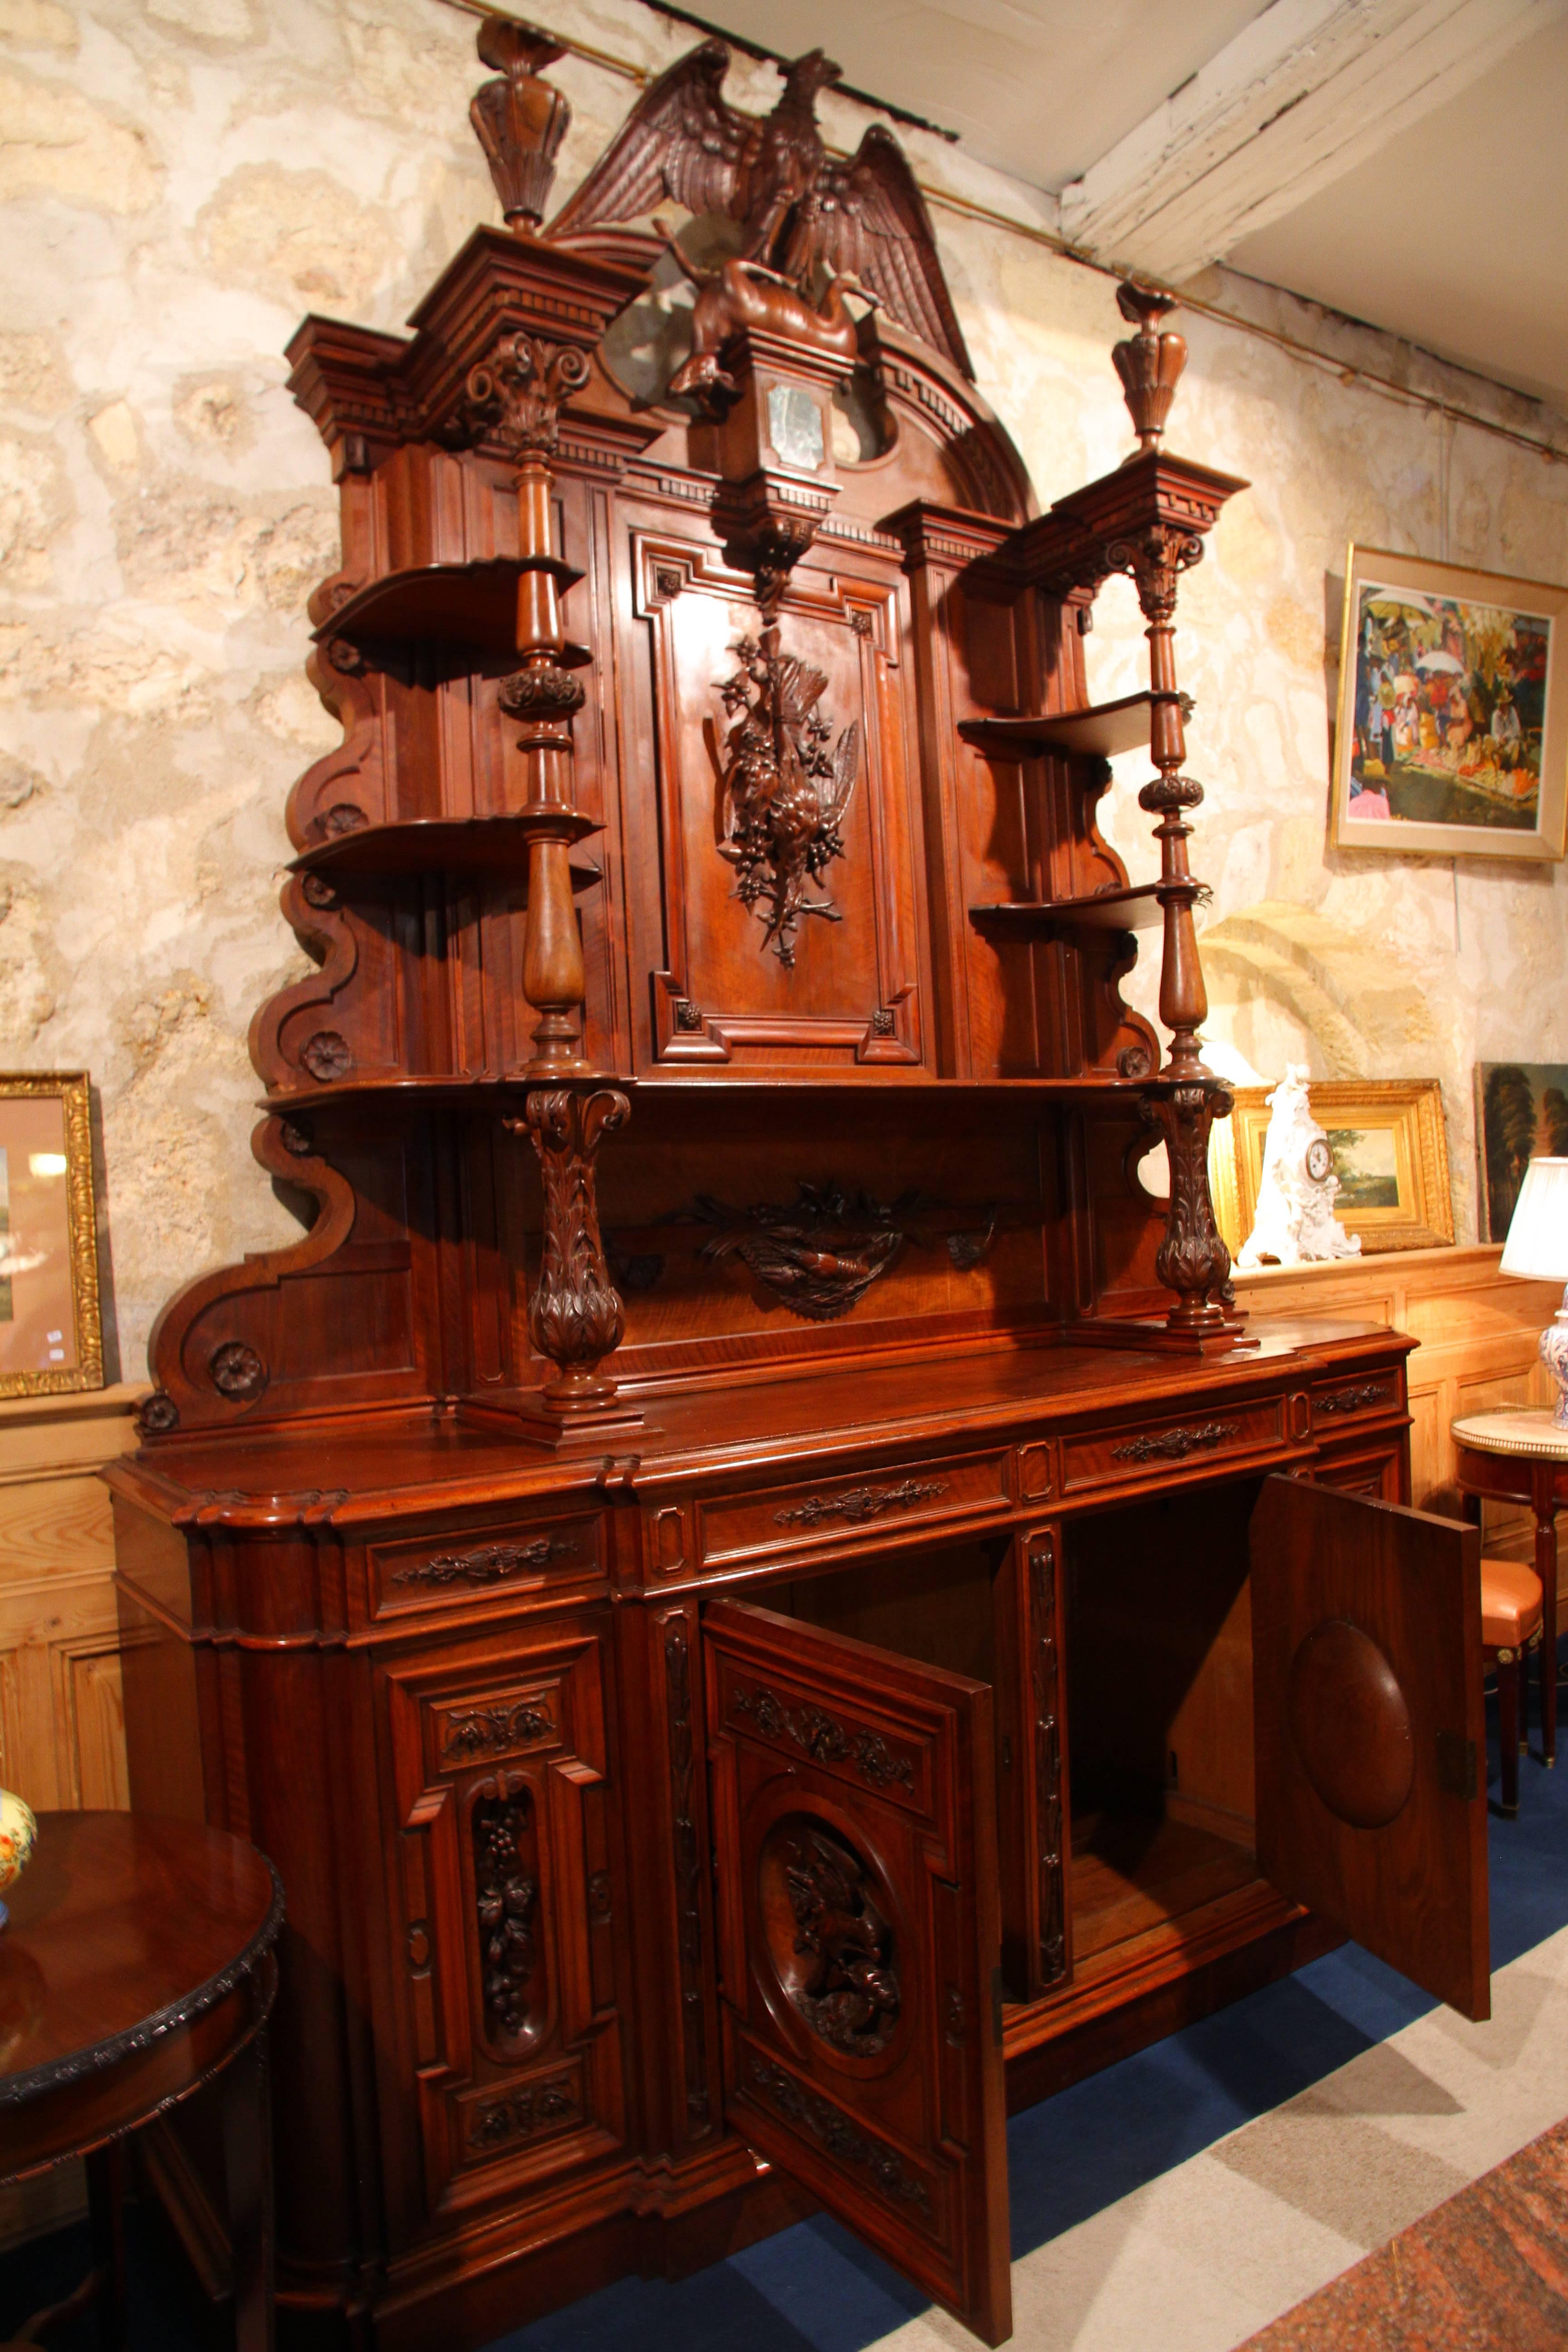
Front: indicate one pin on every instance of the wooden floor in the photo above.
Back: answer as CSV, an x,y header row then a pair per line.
x,y
1132,1872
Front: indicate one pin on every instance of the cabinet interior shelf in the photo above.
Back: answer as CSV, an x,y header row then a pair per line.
x,y
1135,908
448,603
494,847
1098,732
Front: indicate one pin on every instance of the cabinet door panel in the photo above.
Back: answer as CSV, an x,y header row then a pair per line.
x,y
855,1835
511,2069
1370,1729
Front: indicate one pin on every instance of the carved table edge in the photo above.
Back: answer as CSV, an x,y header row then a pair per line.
x,y
59,2074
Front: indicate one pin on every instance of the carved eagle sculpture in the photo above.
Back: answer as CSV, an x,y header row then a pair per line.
x,y
801,212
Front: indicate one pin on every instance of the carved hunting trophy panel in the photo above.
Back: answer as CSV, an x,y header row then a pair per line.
x,y
726,1162
785,844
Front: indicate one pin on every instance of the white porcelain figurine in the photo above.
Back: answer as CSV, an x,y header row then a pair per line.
x,y
1296,1223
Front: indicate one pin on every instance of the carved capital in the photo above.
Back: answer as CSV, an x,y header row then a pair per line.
x,y
517,395
1155,558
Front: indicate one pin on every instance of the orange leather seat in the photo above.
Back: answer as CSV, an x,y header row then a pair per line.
x,y
1510,1603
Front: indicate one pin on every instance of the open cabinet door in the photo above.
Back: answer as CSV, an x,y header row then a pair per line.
x,y
1371,1737
860,1937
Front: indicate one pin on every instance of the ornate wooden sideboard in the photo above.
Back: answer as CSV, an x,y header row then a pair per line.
x,y
747,1571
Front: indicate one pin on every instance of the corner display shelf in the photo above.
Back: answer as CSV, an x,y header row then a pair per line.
x,y
493,847
738,1415
1099,733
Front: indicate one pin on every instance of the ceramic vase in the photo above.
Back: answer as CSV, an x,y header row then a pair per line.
x,y
18,1831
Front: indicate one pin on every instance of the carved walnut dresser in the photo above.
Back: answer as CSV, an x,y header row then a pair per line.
x,y
746,1571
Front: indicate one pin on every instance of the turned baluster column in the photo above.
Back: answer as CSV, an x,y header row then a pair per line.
x,y
574,1315
1193,1259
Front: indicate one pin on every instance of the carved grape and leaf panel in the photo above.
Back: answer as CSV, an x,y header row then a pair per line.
x,y
854,1825
784,847
504,1952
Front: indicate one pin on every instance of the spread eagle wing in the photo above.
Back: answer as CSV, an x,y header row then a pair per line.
x,y
873,225
680,139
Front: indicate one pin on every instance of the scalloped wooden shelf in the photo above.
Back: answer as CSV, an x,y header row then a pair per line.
x,y
449,603
1098,732
493,846
1136,908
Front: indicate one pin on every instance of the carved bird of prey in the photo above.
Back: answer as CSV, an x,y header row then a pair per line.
x,y
801,211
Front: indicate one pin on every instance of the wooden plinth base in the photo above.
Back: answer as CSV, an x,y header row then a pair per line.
x,y
1148,1331
525,1415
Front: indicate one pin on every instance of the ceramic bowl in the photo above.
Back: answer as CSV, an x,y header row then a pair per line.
x,y
18,1831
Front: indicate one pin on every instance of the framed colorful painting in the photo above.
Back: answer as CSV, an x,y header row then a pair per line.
x,y
1390,1153
1453,724
1521,1110
51,1335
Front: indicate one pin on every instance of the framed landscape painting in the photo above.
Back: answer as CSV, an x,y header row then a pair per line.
x,y
1453,723
1521,1110
1390,1153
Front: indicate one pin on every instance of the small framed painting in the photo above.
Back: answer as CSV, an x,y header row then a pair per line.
x,y
1521,1109
1390,1153
51,1335
1453,724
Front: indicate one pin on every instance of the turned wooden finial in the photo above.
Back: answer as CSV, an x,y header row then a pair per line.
x,y
1150,364
520,120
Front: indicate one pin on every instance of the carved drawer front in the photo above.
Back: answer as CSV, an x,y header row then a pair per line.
x,y
508,2038
1341,1404
504,1559
1177,1441
830,1511
1372,1471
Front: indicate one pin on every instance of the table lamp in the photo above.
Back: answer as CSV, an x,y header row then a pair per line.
x,y
1537,1249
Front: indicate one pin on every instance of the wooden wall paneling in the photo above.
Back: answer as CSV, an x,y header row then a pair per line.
x,y
62,1740
1478,1331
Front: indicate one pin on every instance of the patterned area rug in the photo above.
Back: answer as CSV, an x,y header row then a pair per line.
x,y
1489,2268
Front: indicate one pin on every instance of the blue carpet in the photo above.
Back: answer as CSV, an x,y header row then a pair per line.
x,y
814,2288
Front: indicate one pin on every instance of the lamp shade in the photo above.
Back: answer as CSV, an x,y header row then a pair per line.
x,y
1537,1245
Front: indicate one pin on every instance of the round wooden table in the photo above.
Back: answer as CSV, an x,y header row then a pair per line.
x,y
1518,1455
139,1964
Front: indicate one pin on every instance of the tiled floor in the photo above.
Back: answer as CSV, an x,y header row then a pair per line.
x,y
1176,2202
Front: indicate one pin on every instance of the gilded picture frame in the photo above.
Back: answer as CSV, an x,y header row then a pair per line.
x,y
1390,1154
1452,731
51,1330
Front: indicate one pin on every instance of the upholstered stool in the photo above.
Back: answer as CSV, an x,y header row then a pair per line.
x,y
1510,1625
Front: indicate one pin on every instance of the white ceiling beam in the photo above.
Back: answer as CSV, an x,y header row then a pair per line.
x,y
1309,89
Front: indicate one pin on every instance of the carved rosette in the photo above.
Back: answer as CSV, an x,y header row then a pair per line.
x,y
574,1317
